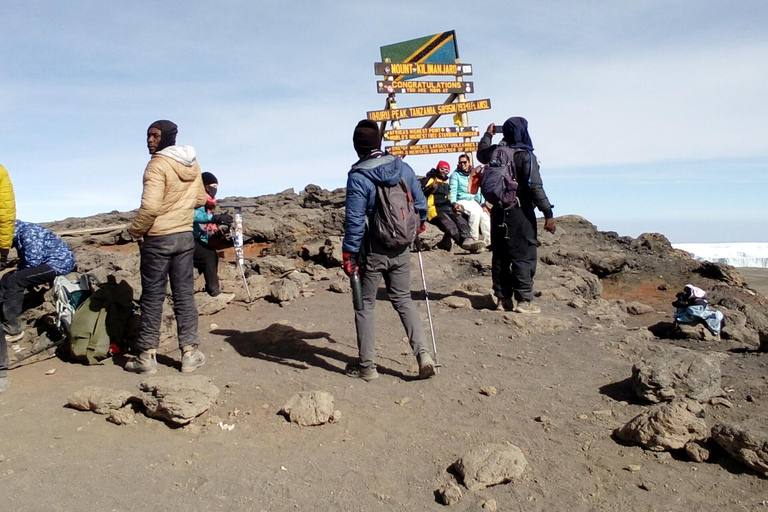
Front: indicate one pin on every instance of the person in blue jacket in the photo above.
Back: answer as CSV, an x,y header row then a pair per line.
x,y
362,252
206,259
42,257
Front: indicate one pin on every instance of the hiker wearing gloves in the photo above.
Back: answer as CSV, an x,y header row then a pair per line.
x,y
472,204
207,222
7,228
173,188
365,249
513,231
442,214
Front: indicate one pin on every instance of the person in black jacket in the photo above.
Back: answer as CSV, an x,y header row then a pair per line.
x,y
513,230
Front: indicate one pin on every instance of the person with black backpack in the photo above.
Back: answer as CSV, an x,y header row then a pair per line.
x,y
512,184
385,210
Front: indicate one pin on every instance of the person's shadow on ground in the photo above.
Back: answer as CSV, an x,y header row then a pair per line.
x,y
286,345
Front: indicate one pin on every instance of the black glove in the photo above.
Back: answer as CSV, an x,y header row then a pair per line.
x,y
3,258
223,218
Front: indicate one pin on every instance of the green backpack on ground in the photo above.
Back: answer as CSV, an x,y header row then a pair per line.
x,y
101,321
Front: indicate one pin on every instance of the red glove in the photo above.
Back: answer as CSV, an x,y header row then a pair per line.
x,y
422,228
349,263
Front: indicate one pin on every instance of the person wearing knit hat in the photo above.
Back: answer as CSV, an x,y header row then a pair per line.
x,y
364,254
514,228
441,213
173,188
206,259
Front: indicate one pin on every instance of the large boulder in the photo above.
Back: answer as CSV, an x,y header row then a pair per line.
x,y
490,464
666,426
677,375
746,441
178,399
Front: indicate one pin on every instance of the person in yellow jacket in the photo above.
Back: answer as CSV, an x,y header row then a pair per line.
x,y
173,188
441,213
7,228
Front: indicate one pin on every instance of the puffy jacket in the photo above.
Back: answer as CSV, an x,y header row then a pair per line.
x,y
201,218
7,210
173,188
361,193
437,192
37,245
460,188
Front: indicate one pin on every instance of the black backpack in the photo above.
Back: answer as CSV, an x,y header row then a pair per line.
x,y
395,219
498,182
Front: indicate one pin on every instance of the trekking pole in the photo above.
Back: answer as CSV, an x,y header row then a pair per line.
x,y
429,313
238,242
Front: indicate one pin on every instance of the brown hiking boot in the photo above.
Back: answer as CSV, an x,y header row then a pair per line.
x,y
526,308
145,363
356,371
426,365
473,246
191,358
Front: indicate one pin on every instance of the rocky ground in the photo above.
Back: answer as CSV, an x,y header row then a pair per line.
x,y
606,401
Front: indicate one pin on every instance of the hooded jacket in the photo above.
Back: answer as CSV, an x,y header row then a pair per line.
x,y
173,188
460,188
37,246
7,210
377,168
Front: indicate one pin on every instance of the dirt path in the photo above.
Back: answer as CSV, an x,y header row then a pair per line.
x,y
560,397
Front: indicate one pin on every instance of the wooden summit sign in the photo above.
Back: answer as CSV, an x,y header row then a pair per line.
x,y
396,114
432,133
433,149
405,86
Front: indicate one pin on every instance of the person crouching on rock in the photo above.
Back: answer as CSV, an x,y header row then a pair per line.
x,y
361,247
42,257
442,214
173,188
206,259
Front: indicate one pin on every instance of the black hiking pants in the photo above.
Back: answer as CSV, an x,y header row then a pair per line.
x,y
164,257
12,287
206,261
452,224
513,242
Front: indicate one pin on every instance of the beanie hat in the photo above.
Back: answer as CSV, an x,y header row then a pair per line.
x,y
168,130
366,137
209,178
443,165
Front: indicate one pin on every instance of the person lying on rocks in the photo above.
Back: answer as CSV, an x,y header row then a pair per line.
x,y
42,257
206,259
442,213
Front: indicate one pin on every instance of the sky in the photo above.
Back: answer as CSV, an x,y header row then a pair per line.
x,y
646,116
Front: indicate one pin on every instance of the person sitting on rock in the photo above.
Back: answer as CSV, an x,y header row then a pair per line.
x,y
42,257
471,204
206,259
442,214
7,228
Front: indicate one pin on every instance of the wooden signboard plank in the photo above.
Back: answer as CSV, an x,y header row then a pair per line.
x,y
404,87
414,69
428,110
433,149
431,133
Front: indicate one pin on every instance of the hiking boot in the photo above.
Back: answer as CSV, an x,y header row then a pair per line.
x,y
13,338
526,308
145,362
473,246
506,304
5,383
191,358
356,371
426,365
445,244
226,297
